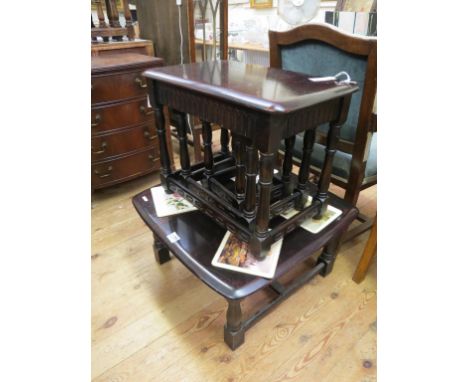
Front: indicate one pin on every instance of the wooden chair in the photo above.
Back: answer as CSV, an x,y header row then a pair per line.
x,y
367,255
323,50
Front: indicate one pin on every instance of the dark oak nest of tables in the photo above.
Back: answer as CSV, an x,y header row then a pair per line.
x,y
260,107
237,189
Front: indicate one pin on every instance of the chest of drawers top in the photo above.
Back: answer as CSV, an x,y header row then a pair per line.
x,y
119,77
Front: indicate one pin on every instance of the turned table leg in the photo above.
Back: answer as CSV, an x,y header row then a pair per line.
x,y
207,150
182,127
263,212
163,149
328,256
238,147
303,177
234,333
287,165
325,175
224,141
161,253
251,175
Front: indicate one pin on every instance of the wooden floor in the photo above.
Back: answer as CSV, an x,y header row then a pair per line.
x,y
160,323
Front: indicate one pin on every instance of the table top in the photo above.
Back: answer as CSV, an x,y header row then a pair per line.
x,y
200,237
257,87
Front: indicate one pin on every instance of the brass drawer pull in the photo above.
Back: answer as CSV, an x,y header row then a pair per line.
x,y
146,110
152,158
141,82
104,175
149,136
97,120
103,148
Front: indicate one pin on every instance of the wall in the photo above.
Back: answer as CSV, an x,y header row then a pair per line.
x,y
159,22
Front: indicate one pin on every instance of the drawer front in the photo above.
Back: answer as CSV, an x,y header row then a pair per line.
x,y
120,115
123,141
118,87
124,168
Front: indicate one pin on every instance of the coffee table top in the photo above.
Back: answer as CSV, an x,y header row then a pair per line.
x,y
270,90
200,237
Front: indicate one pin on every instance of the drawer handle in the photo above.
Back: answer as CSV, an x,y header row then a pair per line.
x,y
149,136
104,175
152,158
140,82
146,110
103,148
97,120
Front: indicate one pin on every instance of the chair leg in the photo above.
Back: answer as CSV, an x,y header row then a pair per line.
x,y
367,255
364,225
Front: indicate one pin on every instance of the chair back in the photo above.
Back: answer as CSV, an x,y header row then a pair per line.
x,y
323,50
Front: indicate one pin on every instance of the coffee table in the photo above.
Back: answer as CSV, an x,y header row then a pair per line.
x,y
200,237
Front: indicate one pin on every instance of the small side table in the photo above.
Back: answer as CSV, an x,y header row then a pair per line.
x,y
200,236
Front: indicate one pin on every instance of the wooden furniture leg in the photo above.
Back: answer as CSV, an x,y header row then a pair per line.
x,y
367,256
287,165
328,256
164,151
161,253
224,141
263,213
303,177
325,175
234,332
197,146
182,125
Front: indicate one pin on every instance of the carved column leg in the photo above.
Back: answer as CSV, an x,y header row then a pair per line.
x,y
309,139
251,173
263,212
207,150
164,151
234,333
287,164
325,175
113,16
224,141
161,253
239,154
181,120
100,14
328,255
128,20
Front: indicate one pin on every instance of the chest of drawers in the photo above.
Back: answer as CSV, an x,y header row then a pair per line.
x,y
124,143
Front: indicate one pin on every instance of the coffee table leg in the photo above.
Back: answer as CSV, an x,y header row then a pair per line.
x,y
234,333
161,253
328,256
